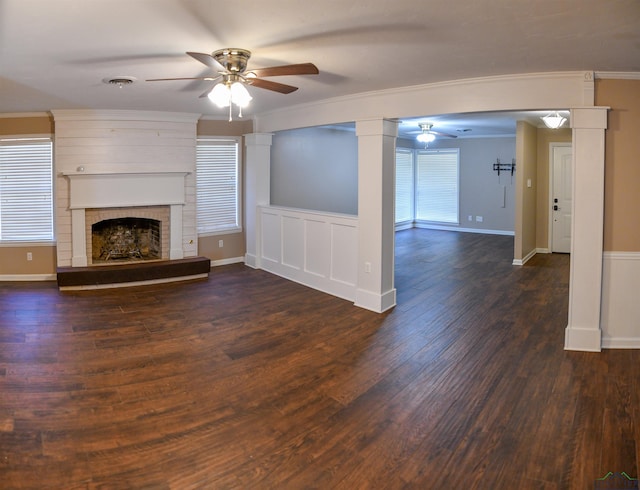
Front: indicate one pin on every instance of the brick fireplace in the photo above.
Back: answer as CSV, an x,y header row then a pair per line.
x,y
124,164
95,198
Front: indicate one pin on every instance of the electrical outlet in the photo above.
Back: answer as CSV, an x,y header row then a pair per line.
x,y
470,218
220,243
479,219
29,256
367,267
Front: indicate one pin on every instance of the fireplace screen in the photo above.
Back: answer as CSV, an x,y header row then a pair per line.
x,y
125,240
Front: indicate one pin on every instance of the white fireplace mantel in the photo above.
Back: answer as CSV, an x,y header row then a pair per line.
x,y
109,190
106,190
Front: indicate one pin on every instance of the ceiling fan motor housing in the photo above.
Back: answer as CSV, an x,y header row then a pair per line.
x,y
234,60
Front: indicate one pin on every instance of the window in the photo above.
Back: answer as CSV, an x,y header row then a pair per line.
x,y
437,185
217,189
404,185
26,190
427,190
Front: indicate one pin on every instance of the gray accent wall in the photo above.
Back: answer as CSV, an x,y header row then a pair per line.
x,y
481,189
315,169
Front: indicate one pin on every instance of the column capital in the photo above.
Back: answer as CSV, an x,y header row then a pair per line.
x,y
258,139
589,117
377,127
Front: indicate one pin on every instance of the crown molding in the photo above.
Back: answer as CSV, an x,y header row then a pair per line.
x,y
17,115
617,75
123,115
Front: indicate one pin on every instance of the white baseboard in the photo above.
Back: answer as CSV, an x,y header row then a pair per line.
x,y
525,259
460,229
620,342
28,277
232,260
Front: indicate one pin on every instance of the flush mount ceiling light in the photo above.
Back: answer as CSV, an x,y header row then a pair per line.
x,y
553,120
119,81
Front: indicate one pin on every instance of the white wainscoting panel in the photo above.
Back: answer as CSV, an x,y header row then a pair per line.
x,y
344,257
292,236
270,238
620,313
316,249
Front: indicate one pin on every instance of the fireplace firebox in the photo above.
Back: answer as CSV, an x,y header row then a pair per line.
x,y
126,240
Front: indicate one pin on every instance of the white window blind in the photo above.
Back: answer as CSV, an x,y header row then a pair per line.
x,y
437,185
404,185
217,192
26,190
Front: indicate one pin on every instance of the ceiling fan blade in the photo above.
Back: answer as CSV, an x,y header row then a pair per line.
x,y
298,69
447,135
206,92
206,59
269,85
184,78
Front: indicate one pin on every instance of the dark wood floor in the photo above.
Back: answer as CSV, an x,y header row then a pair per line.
x,y
253,382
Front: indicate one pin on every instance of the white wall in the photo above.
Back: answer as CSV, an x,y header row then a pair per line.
x,y
315,169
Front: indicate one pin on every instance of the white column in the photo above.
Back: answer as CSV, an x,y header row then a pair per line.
x,y
175,234
78,238
585,284
257,190
376,164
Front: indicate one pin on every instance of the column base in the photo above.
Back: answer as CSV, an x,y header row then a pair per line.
x,y
583,339
375,302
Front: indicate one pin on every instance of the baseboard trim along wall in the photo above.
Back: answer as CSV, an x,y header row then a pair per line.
x,y
27,277
458,228
229,261
620,312
525,259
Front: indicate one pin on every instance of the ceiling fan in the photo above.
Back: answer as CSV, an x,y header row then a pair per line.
x,y
230,65
426,134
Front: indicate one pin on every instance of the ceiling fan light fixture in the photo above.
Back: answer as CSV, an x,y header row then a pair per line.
x,y
553,120
426,137
240,95
223,94
220,95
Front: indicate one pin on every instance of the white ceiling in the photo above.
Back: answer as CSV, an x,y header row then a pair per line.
x,y
54,54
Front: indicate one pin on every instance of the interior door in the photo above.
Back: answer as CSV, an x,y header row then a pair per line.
x,y
561,199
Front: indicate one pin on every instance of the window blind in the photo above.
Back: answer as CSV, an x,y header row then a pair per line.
x,y
437,185
26,190
217,194
404,185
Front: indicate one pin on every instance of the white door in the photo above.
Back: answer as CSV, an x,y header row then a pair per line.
x,y
561,199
